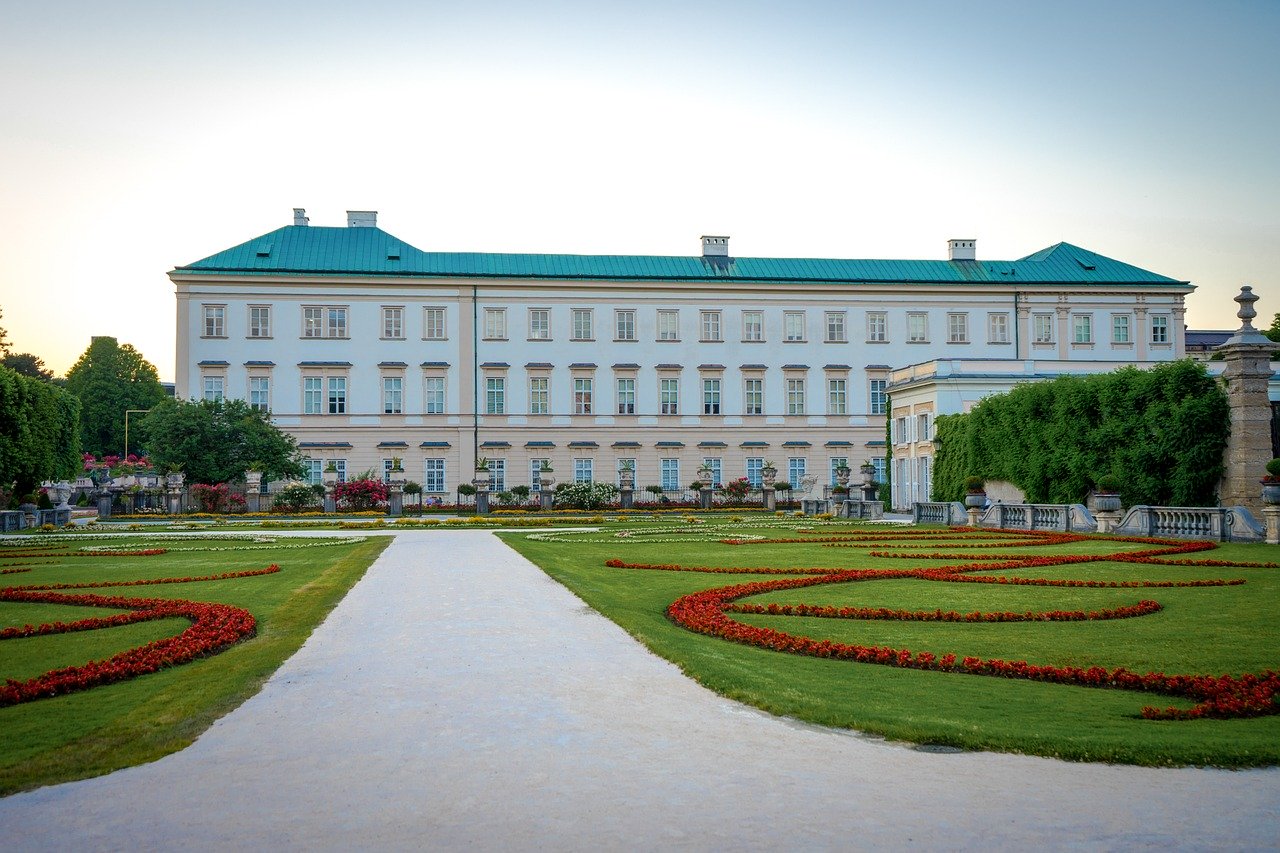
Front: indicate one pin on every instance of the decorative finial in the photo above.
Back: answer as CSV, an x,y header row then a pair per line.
x,y
1246,312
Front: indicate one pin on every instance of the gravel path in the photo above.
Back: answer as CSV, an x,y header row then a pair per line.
x,y
459,698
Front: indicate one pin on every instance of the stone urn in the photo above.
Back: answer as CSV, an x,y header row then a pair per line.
x,y
60,493
768,475
626,479
1106,502
175,479
975,500
842,475
1271,492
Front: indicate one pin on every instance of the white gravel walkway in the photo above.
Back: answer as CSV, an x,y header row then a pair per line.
x,y
458,698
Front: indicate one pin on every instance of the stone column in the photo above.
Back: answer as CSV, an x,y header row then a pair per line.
x,y
330,479
1247,354
481,482
395,494
626,487
1271,516
253,491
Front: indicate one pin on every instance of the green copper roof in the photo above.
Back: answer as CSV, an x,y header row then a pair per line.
x,y
312,250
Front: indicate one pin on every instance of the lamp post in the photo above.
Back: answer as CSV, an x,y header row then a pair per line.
x,y
128,412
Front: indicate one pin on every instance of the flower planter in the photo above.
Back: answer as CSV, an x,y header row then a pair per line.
x,y
1106,503
975,500
1271,492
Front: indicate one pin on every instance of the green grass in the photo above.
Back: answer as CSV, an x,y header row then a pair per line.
x,y
1210,630
132,722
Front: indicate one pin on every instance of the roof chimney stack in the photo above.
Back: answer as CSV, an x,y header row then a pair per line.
x,y
962,250
300,216
715,247
362,219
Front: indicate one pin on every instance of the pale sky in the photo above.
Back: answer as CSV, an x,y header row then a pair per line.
x,y
137,136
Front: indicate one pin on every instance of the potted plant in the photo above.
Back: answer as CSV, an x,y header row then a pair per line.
x,y
975,492
627,475
174,478
482,464
330,475
840,491
1106,496
546,475
1271,483
842,474
768,473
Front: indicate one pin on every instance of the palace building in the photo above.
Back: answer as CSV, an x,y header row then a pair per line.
x,y
368,349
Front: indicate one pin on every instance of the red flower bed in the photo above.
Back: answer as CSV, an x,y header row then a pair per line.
x,y
705,612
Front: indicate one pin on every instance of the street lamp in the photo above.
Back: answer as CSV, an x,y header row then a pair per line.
x,y
128,412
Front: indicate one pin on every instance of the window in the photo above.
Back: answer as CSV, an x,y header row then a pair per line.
x,y
495,395
623,463
754,397
917,327
434,395
1082,328
498,474
582,325
624,324
837,462
998,328
795,470
876,326
324,321
713,462
711,326
433,324
671,475
259,321
837,397
214,388
1042,328
215,321
922,427
755,468
313,471
392,395
582,396
341,465
539,396
836,327
752,326
386,470
793,326
495,324
260,393
393,323
711,396
900,431
1159,329
668,325
626,396
433,475
1120,328
312,395
535,474
957,328
539,324
337,395
878,463
669,396
795,396
879,397
583,470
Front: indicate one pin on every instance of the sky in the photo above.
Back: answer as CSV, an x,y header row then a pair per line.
x,y
138,136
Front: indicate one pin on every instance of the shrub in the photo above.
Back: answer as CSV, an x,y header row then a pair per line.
x,y
362,493
586,495
294,497
974,484
1108,484
1273,469
211,498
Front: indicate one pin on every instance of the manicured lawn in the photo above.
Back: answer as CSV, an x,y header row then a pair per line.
x,y
1200,630
104,728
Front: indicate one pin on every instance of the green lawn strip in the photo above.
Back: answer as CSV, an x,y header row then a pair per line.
x,y
29,657
132,722
1202,630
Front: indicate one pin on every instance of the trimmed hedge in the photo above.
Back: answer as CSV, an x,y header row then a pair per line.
x,y
1161,431
39,431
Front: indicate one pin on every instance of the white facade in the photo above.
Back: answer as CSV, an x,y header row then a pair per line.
x,y
585,372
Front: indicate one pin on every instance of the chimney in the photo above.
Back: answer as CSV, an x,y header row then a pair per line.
x,y
715,247
300,216
362,219
962,250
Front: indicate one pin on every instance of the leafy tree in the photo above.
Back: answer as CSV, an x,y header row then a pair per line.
x,y
4,338
217,441
1274,332
110,379
39,432
27,364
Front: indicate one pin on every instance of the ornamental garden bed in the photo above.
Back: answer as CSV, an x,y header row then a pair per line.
x,y
115,650
1143,651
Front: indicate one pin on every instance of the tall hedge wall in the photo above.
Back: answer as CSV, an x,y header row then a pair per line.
x,y
39,431
1162,431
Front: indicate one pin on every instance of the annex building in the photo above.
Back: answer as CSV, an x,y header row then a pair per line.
x,y
367,348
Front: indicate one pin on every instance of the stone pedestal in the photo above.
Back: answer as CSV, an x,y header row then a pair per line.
x,y
1247,354
1107,521
546,499
103,500
253,491
173,500
395,497
974,515
482,484
704,497
482,503
770,498
330,499
1271,516
627,497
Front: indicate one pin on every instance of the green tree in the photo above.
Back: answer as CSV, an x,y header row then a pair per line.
x,y
110,379
27,364
39,432
1274,332
217,441
4,337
